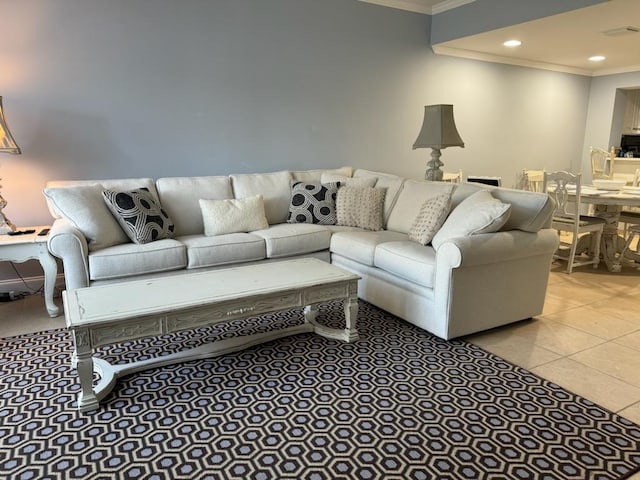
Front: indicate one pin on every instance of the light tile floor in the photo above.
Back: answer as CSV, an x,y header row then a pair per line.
x,y
587,339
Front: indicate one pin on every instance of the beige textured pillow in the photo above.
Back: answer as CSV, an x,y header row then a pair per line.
x,y
478,213
233,215
432,215
361,207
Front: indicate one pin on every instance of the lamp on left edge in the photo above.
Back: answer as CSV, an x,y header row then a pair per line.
x,y
7,145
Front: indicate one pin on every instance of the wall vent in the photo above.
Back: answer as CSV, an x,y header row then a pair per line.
x,y
617,32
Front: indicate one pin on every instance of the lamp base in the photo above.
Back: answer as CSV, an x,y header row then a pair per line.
x,y
434,173
5,224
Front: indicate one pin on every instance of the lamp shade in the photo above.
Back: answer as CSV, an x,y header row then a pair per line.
x,y
438,128
7,143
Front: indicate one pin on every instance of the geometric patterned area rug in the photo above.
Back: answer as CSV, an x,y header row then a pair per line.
x,y
397,404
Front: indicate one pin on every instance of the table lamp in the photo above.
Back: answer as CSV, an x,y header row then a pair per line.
x,y
438,132
7,145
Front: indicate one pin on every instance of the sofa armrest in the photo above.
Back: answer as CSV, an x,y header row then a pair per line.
x,y
487,280
497,247
69,244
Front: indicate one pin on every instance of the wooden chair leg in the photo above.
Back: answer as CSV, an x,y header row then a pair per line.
x,y
596,249
572,254
627,245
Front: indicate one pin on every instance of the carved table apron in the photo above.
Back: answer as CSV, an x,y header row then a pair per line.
x,y
114,313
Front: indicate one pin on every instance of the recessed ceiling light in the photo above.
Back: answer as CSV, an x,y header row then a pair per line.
x,y
597,58
512,43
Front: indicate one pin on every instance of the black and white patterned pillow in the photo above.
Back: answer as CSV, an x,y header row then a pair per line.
x,y
313,203
139,215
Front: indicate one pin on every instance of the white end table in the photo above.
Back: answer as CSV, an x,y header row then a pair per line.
x,y
31,246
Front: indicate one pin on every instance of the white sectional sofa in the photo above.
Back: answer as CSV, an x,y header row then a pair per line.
x,y
470,283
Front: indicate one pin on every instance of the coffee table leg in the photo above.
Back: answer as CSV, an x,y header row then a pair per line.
x,y
84,364
351,318
350,332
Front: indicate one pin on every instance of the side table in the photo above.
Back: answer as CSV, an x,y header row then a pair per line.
x,y
20,248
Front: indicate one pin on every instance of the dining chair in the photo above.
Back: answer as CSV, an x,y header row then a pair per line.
x,y
567,218
531,180
602,163
630,216
452,177
631,252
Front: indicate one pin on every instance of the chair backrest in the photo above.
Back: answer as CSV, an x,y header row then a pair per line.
x,y
601,163
531,180
559,185
636,178
452,177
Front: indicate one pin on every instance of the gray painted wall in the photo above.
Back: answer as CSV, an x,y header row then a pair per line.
x,y
123,88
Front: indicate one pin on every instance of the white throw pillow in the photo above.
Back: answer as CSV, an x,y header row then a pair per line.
x,y
478,213
431,217
85,209
233,215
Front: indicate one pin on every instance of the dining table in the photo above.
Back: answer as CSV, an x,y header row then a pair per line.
x,y
607,204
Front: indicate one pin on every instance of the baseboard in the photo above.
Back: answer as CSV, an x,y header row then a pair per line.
x,y
30,284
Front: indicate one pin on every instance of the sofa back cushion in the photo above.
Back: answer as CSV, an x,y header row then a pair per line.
x,y
115,184
180,196
316,175
530,211
392,183
275,189
412,196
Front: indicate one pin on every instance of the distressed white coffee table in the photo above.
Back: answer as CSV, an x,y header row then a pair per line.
x,y
114,313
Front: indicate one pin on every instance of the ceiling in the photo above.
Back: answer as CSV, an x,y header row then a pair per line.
x,y
562,42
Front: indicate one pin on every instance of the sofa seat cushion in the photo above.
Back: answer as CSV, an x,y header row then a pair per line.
x,y
203,251
408,260
287,239
360,245
137,259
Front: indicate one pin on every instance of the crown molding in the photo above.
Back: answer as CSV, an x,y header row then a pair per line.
x,y
448,5
420,6
616,71
409,5
485,57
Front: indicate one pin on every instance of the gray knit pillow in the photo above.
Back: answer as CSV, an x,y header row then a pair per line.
x,y
361,207
432,215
